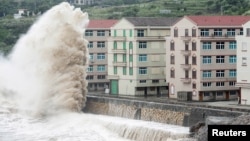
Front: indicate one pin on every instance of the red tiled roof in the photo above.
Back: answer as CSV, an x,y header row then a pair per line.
x,y
219,20
101,23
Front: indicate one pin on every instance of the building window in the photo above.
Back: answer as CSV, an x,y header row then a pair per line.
x,y
220,59
172,59
142,57
90,45
101,68
194,86
232,93
101,76
206,84
206,94
232,83
130,32
124,46
115,57
100,44
232,59
186,32
194,74
130,45
172,46
217,32
232,73
115,45
91,57
230,32
124,33
90,68
90,77
140,33
101,33
244,61
175,32
172,73
232,45
220,73
193,32
194,60
241,31
143,70
124,58
130,58
248,31
130,71
143,44
100,56
206,46
206,60
143,81
193,46
155,81
219,93
206,74
115,70
219,84
244,46
124,70
220,45
204,32
88,33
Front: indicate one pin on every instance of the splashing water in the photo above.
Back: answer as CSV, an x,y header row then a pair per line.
x,y
46,69
43,88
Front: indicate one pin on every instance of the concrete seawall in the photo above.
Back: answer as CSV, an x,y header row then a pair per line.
x,y
184,114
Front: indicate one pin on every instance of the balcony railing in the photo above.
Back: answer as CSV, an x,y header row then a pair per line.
x,y
186,66
113,77
120,64
186,80
186,52
186,38
122,51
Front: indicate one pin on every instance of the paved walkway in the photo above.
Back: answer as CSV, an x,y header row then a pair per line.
x,y
227,105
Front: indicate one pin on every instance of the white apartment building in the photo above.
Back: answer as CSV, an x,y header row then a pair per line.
x,y
97,34
243,64
201,57
136,56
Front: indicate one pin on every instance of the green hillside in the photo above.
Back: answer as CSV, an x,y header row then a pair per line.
x,y
173,8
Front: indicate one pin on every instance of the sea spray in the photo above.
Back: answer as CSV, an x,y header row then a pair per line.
x,y
45,72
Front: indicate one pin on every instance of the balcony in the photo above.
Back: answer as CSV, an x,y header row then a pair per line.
x,y
116,77
120,64
186,66
186,80
119,38
186,38
186,52
119,51
150,38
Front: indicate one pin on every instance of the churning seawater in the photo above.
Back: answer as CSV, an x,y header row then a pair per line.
x,y
43,88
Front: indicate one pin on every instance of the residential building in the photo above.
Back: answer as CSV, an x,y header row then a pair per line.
x,y
82,2
136,56
97,34
243,64
201,54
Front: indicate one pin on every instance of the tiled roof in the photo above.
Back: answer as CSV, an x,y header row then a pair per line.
x,y
101,23
219,20
151,21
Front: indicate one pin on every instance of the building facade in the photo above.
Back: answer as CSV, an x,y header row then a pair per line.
x,y
82,2
136,56
243,62
201,54
97,33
